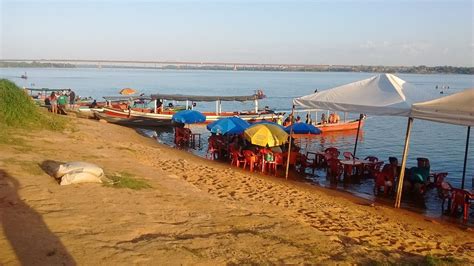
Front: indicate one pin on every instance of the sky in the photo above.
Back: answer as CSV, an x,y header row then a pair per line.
x,y
397,32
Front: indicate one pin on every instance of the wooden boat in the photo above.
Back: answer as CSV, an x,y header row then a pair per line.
x,y
141,122
118,107
350,125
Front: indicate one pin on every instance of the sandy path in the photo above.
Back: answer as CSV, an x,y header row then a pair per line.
x,y
197,211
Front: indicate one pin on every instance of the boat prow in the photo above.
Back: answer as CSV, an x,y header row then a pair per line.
x,y
351,125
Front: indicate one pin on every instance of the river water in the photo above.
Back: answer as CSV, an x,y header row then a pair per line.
x,y
443,144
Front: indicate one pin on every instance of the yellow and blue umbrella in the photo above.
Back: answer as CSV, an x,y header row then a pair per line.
x,y
266,135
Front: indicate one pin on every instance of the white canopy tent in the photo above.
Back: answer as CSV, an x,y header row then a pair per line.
x,y
457,109
383,95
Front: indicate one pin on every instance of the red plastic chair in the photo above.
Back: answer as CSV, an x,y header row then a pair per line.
x,y
293,158
182,136
371,169
212,150
331,152
439,179
250,159
444,193
307,162
237,159
384,179
279,161
460,198
334,169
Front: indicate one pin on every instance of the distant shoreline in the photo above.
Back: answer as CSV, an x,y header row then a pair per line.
x,y
282,68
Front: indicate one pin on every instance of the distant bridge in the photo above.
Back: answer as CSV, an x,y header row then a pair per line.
x,y
151,63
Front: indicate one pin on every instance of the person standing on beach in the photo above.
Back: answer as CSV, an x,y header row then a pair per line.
x,y
53,100
72,98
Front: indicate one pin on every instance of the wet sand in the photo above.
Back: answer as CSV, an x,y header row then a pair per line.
x,y
197,211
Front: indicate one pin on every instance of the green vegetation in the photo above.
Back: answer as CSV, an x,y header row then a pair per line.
x,y
18,110
126,180
36,64
432,261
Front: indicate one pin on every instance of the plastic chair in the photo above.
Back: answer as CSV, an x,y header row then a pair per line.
x,y
237,159
331,152
460,198
334,169
371,169
293,158
308,162
439,179
250,159
385,179
444,193
279,161
181,136
212,150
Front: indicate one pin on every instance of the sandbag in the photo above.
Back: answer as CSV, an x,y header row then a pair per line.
x,y
78,167
79,177
79,172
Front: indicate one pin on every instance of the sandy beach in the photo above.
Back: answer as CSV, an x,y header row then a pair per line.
x,y
197,211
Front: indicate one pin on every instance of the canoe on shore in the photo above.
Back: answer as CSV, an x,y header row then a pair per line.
x,y
142,122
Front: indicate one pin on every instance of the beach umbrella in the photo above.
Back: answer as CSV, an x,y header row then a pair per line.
x,y
266,135
303,128
188,117
228,125
127,91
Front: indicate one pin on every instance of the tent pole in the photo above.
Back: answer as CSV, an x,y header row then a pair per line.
x,y
404,161
357,136
465,156
289,144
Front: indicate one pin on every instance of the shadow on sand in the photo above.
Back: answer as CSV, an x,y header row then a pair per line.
x,y
25,230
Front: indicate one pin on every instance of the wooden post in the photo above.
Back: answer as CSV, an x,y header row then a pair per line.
x,y
289,144
465,156
357,136
404,162
217,107
256,105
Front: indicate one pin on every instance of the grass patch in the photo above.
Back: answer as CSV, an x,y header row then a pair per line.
x,y
18,110
126,180
432,260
